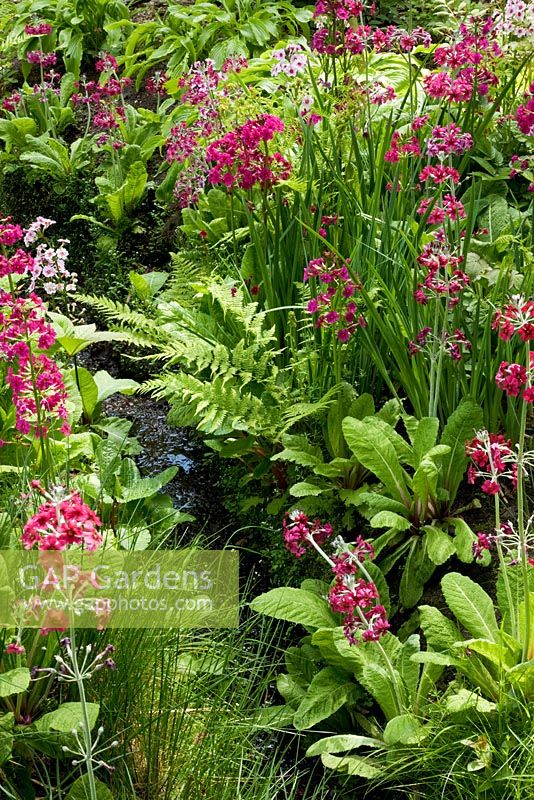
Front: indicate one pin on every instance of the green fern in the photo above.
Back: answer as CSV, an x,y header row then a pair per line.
x,y
219,363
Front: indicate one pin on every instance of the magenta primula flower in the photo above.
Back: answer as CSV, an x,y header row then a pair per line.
x,y
240,158
38,29
517,317
63,520
493,460
297,530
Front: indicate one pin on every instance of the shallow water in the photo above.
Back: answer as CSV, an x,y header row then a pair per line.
x,y
195,486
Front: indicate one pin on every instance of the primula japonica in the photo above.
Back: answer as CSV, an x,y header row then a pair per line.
x,y
38,391
61,521
467,65
334,305
493,460
38,29
241,158
353,593
516,319
507,538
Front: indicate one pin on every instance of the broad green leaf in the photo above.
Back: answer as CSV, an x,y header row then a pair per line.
x,y
299,665
337,468
108,386
306,489
67,717
148,284
387,690
80,790
424,485
342,743
460,427
471,606
424,438
298,450
346,403
409,670
439,545
88,390
404,729
522,676
316,586
429,657
466,700
417,571
389,519
273,717
291,691
295,605
402,448
390,412
14,681
145,487
377,454
328,691
504,654
330,643
463,538
7,722
353,765
441,633
371,503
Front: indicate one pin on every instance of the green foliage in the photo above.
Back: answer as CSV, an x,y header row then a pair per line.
x,y
216,30
81,28
419,480
221,374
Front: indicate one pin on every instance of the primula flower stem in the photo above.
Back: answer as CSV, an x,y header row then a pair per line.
x,y
320,550
521,516
504,569
389,666
88,743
